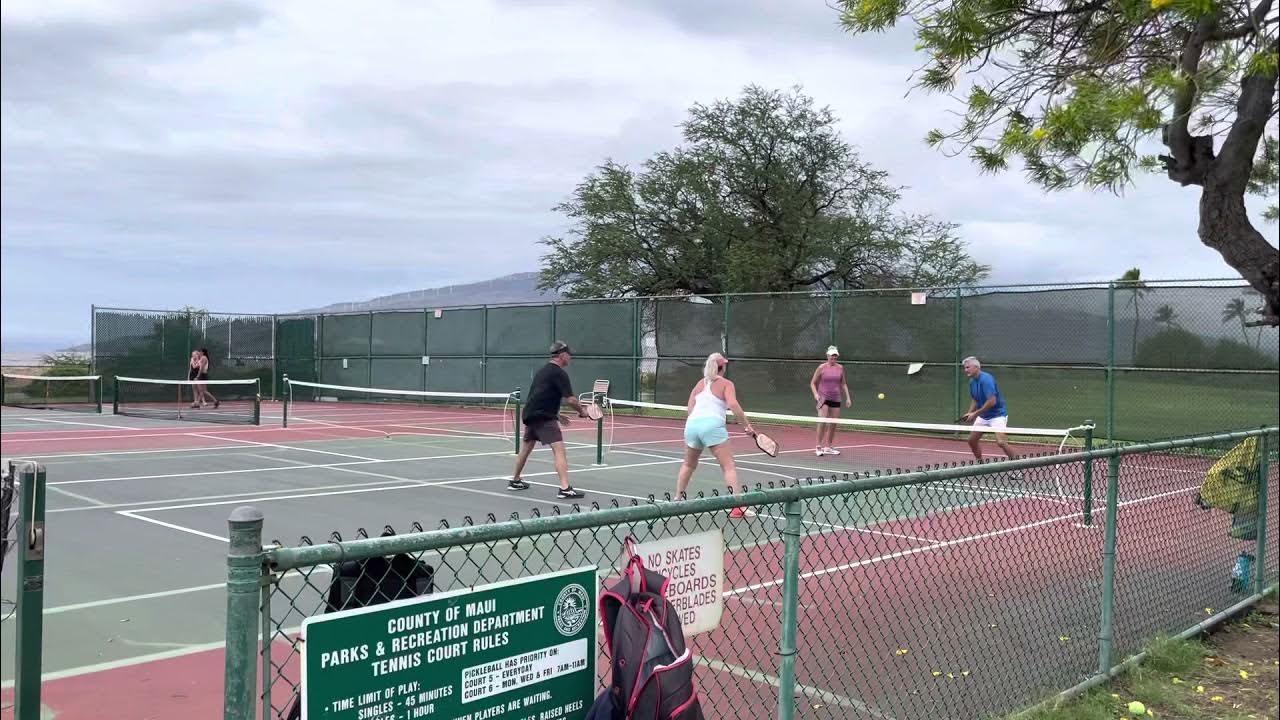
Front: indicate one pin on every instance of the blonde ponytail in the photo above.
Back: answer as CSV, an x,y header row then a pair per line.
x,y
711,369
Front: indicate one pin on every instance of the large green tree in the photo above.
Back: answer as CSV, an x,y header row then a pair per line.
x,y
764,195
1083,90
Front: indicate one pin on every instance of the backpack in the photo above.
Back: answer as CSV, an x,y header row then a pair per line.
x,y
376,580
651,667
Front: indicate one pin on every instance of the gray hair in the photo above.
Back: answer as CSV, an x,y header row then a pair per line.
x,y
971,360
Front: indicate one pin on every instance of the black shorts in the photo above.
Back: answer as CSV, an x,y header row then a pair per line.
x,y
203,376
831,403
543,431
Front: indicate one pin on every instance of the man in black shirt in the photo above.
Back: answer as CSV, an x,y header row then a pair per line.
x,y
542,418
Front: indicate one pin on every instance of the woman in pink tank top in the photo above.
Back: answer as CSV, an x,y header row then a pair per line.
x,y
829,387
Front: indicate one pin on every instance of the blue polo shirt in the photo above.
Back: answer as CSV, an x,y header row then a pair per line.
x,y
983,387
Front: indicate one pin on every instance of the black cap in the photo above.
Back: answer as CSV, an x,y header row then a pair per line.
x,y
560,347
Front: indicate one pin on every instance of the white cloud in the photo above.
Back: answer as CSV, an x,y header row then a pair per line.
x,y
267,156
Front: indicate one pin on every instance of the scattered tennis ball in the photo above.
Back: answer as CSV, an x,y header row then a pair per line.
x,y
880,396
1137,708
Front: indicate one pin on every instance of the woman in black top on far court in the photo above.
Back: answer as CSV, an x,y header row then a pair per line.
x,y
200,371
541,419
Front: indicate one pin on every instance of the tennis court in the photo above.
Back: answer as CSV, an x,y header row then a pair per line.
x,y
135,602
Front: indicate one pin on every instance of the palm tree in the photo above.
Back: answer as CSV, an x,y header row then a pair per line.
x,y
1165,314
1131,280
1235,310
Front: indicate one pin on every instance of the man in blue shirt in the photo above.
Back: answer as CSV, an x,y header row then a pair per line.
x,y
986,408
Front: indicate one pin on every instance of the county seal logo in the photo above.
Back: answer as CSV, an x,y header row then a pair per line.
x,y
570,611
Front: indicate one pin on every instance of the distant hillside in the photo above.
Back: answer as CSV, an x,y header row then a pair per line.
x,y
517,288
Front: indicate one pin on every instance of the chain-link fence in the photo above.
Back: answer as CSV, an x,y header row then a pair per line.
x,y
1147,361
158,344
951,592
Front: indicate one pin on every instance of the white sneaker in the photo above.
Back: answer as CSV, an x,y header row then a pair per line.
x,y
819,451
831,451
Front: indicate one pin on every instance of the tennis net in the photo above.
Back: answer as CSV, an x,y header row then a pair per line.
x,y
386,411
234,402
858,447
79,393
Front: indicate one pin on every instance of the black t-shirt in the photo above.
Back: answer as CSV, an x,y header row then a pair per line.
x,y
550,386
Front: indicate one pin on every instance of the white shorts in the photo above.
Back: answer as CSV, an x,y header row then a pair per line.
x,y
996,423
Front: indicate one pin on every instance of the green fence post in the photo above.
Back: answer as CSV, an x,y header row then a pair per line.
x,y
484,351
1111,363
1106,629
1088,473
831,319
244,572
368,361
958,352
637,349
724,333
93,340
791,535
1260,559
29,639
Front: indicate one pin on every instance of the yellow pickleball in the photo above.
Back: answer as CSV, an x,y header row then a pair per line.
x,y
881,396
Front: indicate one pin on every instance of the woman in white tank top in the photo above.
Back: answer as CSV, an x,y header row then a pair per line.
x,y
705,429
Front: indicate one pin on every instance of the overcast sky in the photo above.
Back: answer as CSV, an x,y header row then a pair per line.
x,y
264,157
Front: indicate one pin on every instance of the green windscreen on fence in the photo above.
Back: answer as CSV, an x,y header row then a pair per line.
x,y
455,374
519,330
598,328
397,373
688,328
783,327
345,335
887,326
456,332
399,333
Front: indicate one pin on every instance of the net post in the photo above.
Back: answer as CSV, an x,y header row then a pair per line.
x,y
1106,625
4,390
257,401
1260,560
115,395
288,395
1111,363
97,386
1088,473
244,572
29,636
600,441
517,421
791,535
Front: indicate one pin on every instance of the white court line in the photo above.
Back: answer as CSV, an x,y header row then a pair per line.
x,y
257,443
248,496
82,498
904,553
106,453
810,692
1160,469
171,526
70,422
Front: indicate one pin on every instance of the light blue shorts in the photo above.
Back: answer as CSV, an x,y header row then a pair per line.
x,y
705,432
